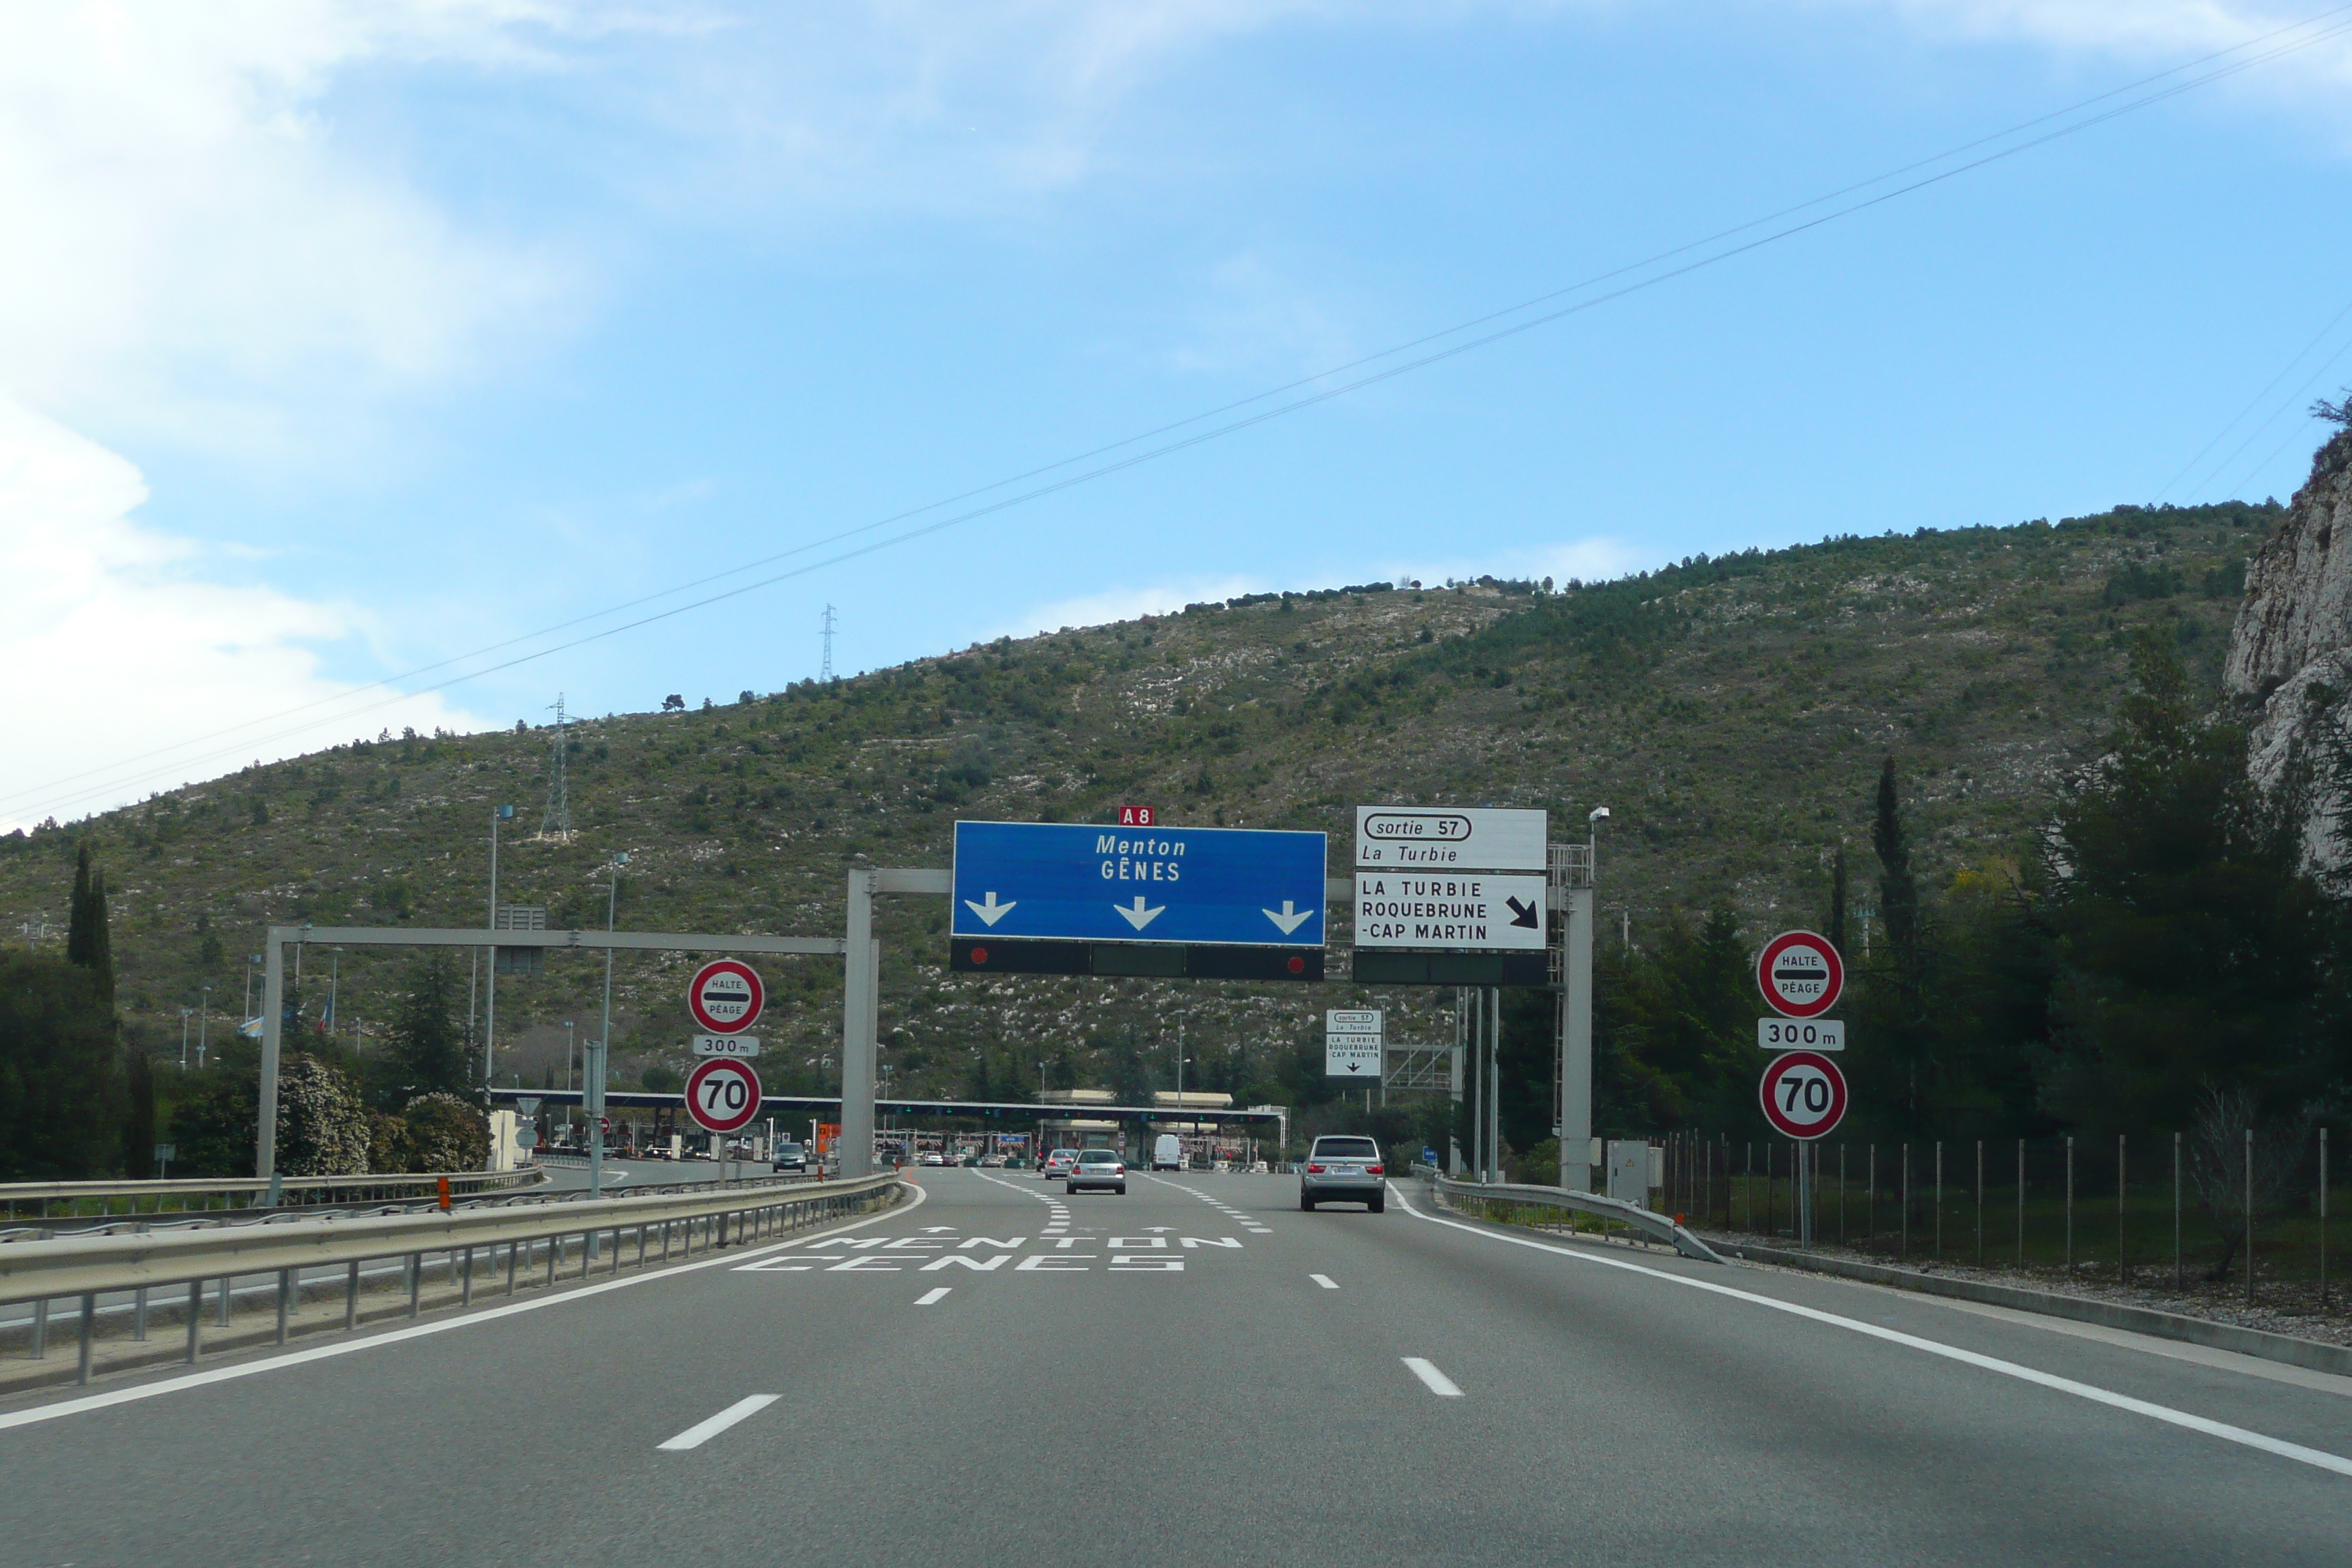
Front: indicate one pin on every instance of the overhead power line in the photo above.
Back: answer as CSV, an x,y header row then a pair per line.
x,y
2164,85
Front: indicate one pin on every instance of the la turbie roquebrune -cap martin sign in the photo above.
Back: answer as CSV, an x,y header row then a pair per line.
x,y
1083,882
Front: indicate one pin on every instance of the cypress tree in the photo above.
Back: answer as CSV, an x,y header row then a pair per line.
x,y
88,943
1837,932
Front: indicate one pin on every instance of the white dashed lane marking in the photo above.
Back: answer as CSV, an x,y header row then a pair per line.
x,y
1438,1382
1325,1281
928,1296
701,1432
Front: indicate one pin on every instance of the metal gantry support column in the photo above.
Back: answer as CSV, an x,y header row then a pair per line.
x,y
1576,1043
860,1002
273,1018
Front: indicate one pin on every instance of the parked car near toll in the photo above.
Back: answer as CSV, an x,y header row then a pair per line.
x,y
1097,1169
1345,1170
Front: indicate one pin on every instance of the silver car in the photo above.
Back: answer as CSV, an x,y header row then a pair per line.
x,y
1098,1168
1057,1164
1346,1169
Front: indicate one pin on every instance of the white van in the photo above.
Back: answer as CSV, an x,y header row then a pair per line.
x,y
1168,1153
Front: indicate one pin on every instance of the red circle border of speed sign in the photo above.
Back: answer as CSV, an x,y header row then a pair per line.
x,y
1783,943
1774,1113
726,966
735,1068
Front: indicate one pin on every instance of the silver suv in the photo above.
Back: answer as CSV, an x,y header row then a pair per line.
x,y
1347,1169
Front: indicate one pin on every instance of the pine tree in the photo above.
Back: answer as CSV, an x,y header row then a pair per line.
x,y
428,1054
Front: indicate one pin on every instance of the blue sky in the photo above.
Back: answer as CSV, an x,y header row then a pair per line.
x,y
348,338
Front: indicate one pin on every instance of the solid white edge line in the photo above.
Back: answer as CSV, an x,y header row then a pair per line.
x,y
1325,1281
928,1297
701,1432
2318,1458
419,1330
1439,1384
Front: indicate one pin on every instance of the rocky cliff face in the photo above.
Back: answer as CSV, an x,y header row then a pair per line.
x,y
2290,658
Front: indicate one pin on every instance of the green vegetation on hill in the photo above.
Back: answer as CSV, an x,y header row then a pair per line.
x,y
1733,712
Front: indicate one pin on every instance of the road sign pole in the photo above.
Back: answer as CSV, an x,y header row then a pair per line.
x,y
860,1002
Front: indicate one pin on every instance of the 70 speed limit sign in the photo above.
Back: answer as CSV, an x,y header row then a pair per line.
x,y
1803,1095
722,1093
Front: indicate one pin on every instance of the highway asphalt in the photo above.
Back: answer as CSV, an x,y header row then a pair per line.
x,y
1195,1372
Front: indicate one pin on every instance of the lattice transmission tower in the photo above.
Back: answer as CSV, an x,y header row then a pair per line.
x,y
826,672
558,820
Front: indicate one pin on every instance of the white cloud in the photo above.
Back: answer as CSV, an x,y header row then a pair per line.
x,y
117,644
1123,605
195,250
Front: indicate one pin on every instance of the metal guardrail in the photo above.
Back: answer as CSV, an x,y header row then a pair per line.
x,y
41,1272
1657,1226
250,1192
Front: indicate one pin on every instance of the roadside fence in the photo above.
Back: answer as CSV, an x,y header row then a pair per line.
x,y
2189,1212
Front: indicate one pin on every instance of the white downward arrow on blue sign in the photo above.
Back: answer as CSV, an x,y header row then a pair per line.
x,y
992,911
1287,922
1138,917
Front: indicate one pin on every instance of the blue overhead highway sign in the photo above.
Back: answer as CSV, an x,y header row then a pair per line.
x,y
1076,882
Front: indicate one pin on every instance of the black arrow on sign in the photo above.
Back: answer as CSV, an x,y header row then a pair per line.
x,y
1522,914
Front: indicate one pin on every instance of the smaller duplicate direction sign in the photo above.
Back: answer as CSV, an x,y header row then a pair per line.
x,y
726,995
727,1045
1799,973
1803,1095
1354,1039
723,1094
1800,1034
1447,839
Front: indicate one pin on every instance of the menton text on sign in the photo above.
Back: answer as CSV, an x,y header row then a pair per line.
x,y
1139,859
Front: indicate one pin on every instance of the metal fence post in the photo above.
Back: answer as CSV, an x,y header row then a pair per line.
x,y
351,1294
2021,1203
139,1312
196,1319
2070,1205
285,1301
2123,1258
2250,1216
226,1282
2323,1219
2176,1211
40,1326
1905,1243
1871,1224
1980,1203
1939,1200
88,1333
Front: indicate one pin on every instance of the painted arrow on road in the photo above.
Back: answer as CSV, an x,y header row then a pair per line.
x,y
992,911
1138,917
1287,920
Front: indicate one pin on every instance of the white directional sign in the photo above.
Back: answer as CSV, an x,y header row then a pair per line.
x,y
1449,839
1800,1034
1353,1041
1487,913
726,1045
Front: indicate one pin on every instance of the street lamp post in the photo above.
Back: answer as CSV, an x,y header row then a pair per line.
x,y
184,1012
203,1030
1576,1017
